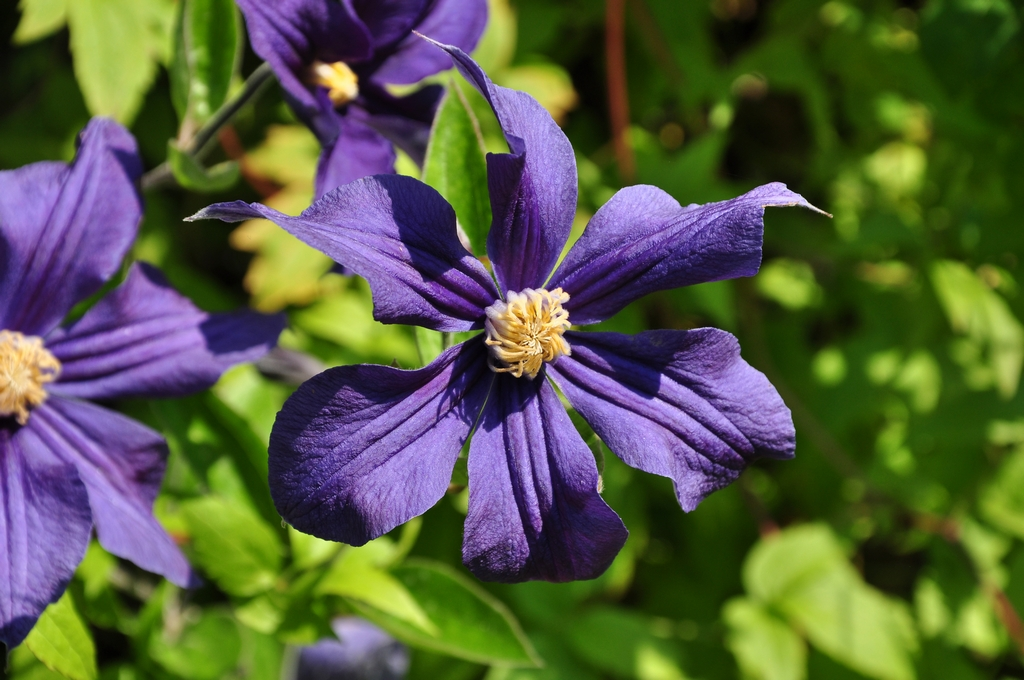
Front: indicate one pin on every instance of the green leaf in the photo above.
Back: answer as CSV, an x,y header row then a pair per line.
x,y
116,45
765,647
190,174
471,623
207,650
803,573
62,642
40,18
456,167
355,578
623,643
206,56
233,545
1002,501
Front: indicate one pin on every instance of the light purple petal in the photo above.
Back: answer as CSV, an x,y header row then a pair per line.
x,y
533,189
358,450
400,235
362,651
681,404
358,151
144,339
291,34
459,23
643,241
534,508
64,231
44,528
122,464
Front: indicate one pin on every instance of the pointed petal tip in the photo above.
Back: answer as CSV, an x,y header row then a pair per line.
x,y
794,199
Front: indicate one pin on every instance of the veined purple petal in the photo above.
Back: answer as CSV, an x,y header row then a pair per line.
x,y
642,241
358,450
459,23
681,404
44,528
533,189
65,230
400,235
122,464
357,151
534,508
291,34
144,339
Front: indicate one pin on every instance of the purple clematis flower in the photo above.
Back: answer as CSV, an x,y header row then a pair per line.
x,y
362,651
67,465
335,59
358,450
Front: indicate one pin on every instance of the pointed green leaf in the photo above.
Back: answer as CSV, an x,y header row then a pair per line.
x,y
456,167
471,623
205,58
190,174
40,18
62,642
765,647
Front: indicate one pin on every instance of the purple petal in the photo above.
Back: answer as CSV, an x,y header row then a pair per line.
x,y
358,450
534,508
362,650
65,230
44,528
533,189
144,339
681,404
291,34
642,241
459,23
404,120
388,21
358,151
122,464
400,235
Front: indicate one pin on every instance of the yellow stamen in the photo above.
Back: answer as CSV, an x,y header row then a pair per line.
x,y
25,366
526,330
341,82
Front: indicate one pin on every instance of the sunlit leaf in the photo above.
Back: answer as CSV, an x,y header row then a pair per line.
x,y
62,642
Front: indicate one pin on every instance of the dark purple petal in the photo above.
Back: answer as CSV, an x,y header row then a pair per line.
x,y
358,450
404,120
291,34
358,151
534,508
400,235
459,23
44,528
642,241
388,21
681,404
144,339
64,231
533,189
362,652
122,464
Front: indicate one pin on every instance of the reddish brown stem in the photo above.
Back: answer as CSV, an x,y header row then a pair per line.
x,y
618,97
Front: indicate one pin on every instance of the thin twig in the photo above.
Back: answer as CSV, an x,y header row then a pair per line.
x,y
200,144
618,95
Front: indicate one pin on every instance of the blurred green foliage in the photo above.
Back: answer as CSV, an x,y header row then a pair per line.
x,y
891,548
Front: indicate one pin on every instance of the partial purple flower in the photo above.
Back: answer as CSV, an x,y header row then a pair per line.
x,y
358,450
67,465
361,651
335,60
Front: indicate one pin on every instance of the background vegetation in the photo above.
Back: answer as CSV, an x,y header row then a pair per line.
x,y
890,548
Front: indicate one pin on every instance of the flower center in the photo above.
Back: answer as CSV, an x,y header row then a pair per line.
x,y
341,82
25,366
526,330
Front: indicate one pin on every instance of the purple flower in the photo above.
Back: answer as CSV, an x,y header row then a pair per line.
x,y
335,59
67,465
362,651
358,450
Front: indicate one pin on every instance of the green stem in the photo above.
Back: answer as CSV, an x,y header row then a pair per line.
x,y
200,144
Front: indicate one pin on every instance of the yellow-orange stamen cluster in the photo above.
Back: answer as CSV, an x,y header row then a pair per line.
x,y
525,330
341,82
25,366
